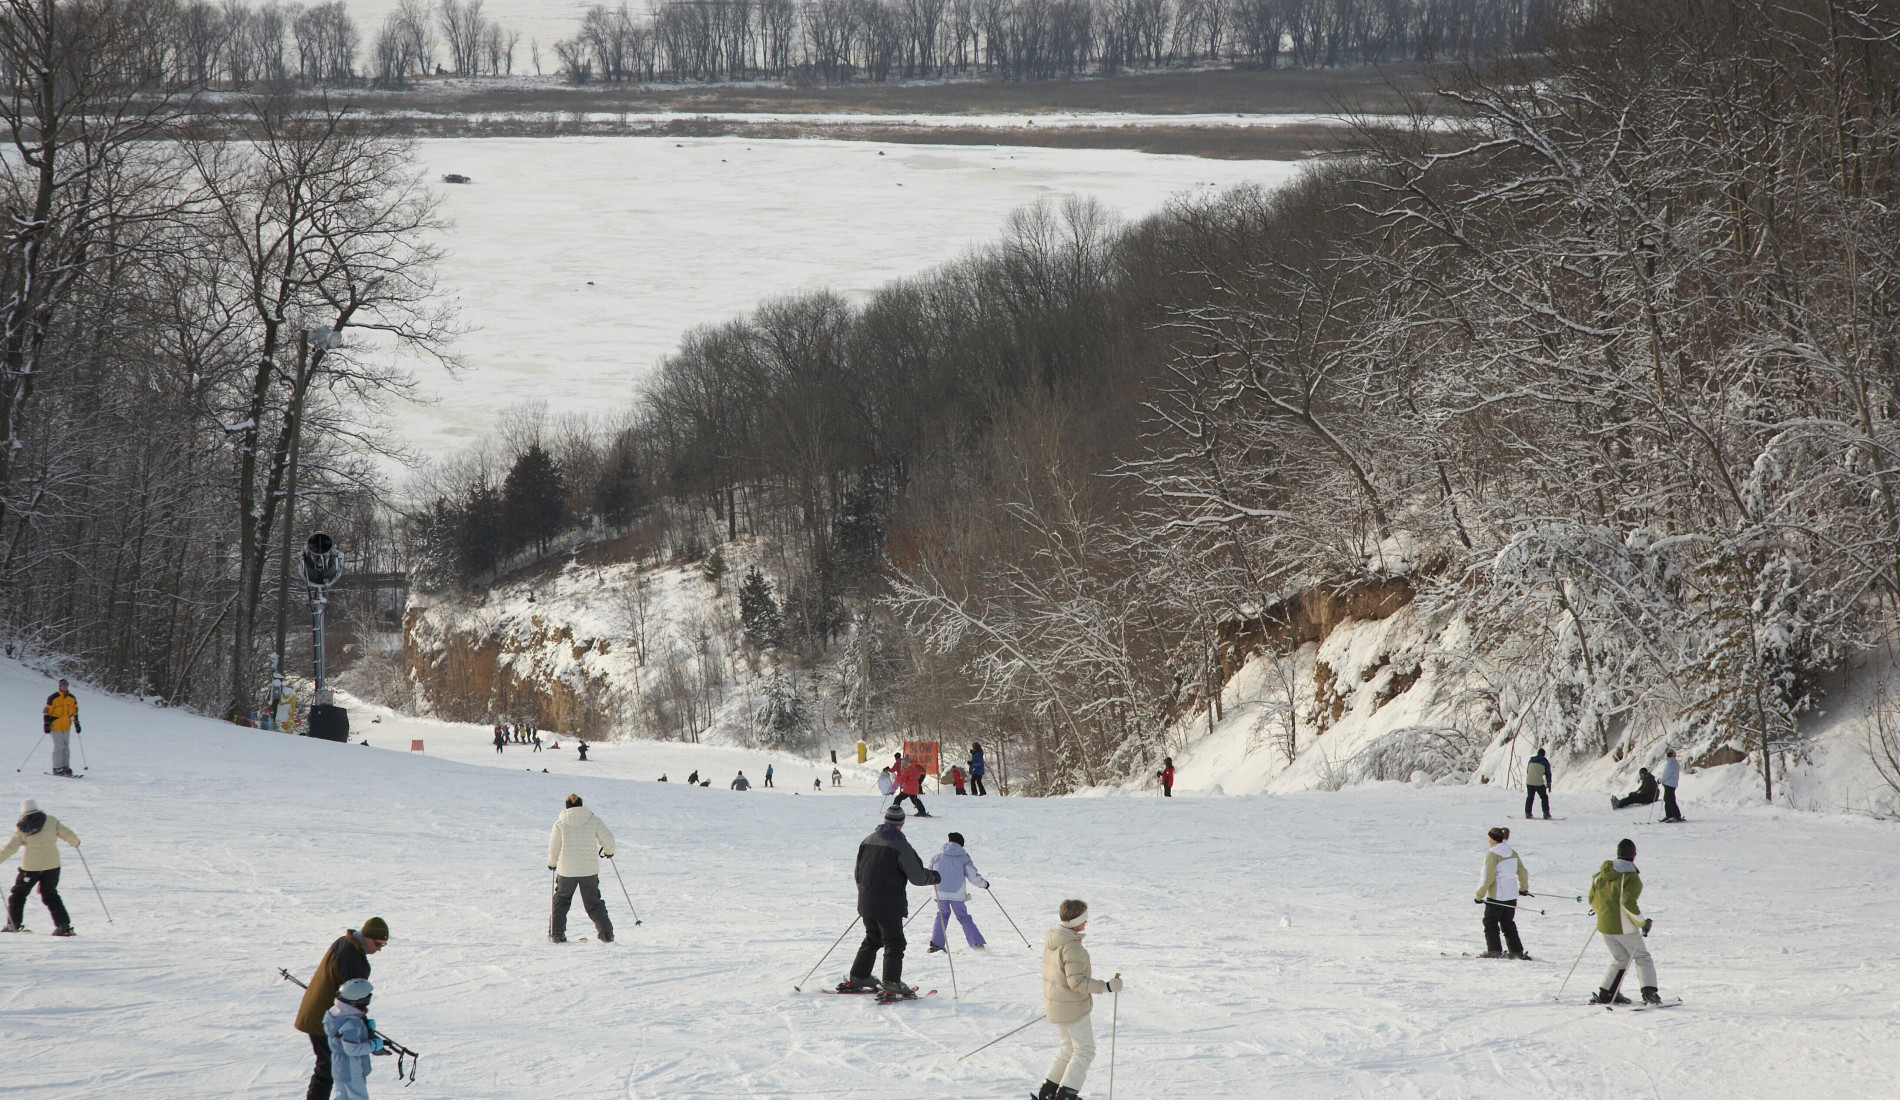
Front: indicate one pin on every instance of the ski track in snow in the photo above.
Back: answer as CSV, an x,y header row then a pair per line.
x,y
226,853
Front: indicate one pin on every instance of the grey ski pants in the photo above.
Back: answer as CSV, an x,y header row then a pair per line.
x,y
62,750
1626,949
589,886
1075,1055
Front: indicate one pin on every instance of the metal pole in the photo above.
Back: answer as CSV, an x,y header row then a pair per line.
x,y
1006,916
1114,1026
623,891
95,883
30,752
1001,1037
1573,966
953,965
799,988
316,630
290,507
85,765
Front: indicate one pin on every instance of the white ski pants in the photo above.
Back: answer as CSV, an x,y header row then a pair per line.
x,y
1074,1055
1626,949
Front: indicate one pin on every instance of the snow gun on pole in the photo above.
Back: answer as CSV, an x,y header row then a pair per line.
x,y
402,1052
1001,1037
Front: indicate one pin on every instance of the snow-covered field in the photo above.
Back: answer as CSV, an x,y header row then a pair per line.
x,y
1274,946
578,263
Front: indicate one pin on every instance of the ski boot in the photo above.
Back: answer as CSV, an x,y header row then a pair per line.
x,y
1047,1091
1651,996
896,991
1067,1093
1490,954
854,985
1605,997
64,930
1521,956
12,926
557,939
934,948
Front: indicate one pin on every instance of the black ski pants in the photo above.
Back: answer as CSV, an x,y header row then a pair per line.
x,y
915,801
1541,790
1501,917
48,882
321,1085
589,886
1634,798
1670,809
881,931
976,784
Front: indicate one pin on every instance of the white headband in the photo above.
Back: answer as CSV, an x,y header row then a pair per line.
x,y
1077,921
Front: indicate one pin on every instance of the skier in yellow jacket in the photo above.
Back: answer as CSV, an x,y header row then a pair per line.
x,y
1613,894
60,720
37,838
1068,996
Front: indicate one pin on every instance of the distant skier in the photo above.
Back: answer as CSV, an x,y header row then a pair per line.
x,y
976,768
910,784
1068,996
501,737
1537,777
741,783
1671,776
662,777
60,720
837,778
575,846
886,862
1505,877
886,782
693,779
956,871
956,778
1613,894
345,960
1643,795
537,742
816,785
582,746
37,838
1167,777
768,775
347,1029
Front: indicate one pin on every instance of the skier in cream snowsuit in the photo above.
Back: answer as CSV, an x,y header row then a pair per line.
x,y
1068,996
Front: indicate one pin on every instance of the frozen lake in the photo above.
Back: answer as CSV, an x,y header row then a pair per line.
x,y
578,263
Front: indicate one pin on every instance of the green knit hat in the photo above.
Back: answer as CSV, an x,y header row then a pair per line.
x,y
376,928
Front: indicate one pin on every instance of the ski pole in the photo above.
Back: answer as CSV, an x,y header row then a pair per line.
x,y
1573,966
1508,905
624,894
799,988
1001,1037
1006,916
95,883
84,764
401,1051
36,748
1114,1025
953,965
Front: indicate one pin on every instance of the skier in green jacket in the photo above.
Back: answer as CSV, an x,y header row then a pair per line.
x,y
1613,898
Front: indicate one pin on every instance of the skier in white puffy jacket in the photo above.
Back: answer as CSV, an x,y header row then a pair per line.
x,y
575,846
957,871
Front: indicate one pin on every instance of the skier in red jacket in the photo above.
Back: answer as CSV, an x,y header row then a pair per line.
x,y
1167,777
910,784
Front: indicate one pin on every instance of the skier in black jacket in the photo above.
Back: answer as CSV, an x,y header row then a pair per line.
x,y
886,861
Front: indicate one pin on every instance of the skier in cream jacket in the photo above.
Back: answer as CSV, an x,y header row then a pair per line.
x,y
1505,877
1068,996
575,846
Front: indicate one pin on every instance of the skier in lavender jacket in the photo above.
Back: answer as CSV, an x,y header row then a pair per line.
x,y
954,864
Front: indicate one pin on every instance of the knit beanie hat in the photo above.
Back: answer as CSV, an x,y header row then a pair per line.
x,y
894,815
375,928
957,839
28,806
1626,849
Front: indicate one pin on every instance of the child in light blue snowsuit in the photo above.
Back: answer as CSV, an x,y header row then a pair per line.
x,y
953,863
348,1028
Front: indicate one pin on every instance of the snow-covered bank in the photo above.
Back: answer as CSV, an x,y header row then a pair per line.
x,y
1284,946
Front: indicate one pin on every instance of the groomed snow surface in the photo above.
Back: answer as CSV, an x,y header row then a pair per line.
x,y
578,263
1274,946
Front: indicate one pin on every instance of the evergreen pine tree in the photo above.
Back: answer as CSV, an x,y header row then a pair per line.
x,y
620,494
764,625
533,501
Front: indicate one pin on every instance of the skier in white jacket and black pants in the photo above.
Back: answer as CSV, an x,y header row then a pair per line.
x,y
1505,878
575,846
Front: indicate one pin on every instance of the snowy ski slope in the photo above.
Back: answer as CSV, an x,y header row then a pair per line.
x,y
1274,946
578,263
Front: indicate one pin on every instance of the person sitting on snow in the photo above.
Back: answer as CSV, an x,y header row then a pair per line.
x,y
1643,795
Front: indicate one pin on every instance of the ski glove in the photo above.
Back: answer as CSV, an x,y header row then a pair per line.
x,y
376,1045
1115,984
1646,925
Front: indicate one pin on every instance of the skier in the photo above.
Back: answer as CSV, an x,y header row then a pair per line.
x,y
1505,877
693,779
501,737
837,778
910,784
537,742
1537,782
741,783
350,1033
1167,777
955,869
37,838
976,768
60,719
886,861
816,785
1643,795
1671,776
662,777
582,745
345,960
886,782
768,775
1613,894
1067,997
574,867
956,778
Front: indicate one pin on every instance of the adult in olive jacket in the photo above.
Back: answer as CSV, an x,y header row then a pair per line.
x,y
886,863
347,958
